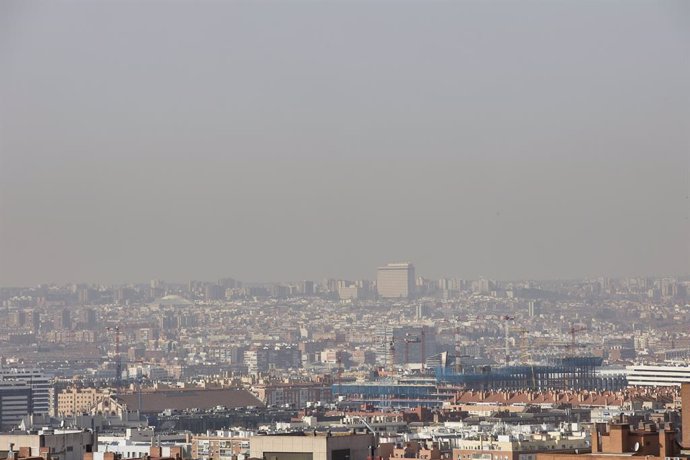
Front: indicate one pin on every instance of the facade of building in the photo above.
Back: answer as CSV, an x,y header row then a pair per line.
x,y
296,394
396,281
313,447
39,383
262,359
73,401
413,344
643,375
508,447
131,450
52,444
396,393
15,403
349,292
220,445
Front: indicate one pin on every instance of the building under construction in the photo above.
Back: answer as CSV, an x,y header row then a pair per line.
x,y
401,392
577,373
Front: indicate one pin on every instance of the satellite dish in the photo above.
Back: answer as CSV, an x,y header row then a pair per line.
x,y
636,448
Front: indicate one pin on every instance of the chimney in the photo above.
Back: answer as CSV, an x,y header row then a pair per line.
x,y
667,446
45,453
595,439
619,434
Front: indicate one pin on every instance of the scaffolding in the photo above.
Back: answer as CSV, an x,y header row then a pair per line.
x,y
392,394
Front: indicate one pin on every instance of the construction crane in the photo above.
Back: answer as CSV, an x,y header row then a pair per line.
x,y
339,361
458,364
571,372
572,330
391,357
118,359
507,339
423,334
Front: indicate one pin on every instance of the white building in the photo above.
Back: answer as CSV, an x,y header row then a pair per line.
x,y
396,281
644,375
137,443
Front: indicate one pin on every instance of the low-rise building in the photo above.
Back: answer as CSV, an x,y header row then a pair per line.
x,y
295,394
221,445
316,446
50,444
510,447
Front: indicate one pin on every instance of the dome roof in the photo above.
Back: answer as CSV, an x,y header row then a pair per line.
x,y
172,300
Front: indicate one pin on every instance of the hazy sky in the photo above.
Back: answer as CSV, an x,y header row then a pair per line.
x,y
302,140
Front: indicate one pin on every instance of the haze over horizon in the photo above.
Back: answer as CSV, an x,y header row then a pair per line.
x,y
302,140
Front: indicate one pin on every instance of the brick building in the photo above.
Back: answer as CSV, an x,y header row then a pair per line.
x,y
620,440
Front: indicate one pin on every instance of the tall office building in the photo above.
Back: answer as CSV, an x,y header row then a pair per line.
x,y
65,320
414,344
15,403
17,318
307,288
396,281
35,321
88,318
39,386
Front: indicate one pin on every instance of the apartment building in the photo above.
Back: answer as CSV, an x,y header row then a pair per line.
x,y
73,401
220,445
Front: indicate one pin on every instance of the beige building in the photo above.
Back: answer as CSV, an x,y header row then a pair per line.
x,y
53,444
77,401
219,446
507,447
396,281
312,446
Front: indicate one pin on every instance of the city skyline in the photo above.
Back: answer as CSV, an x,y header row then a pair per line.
x,y
374,278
